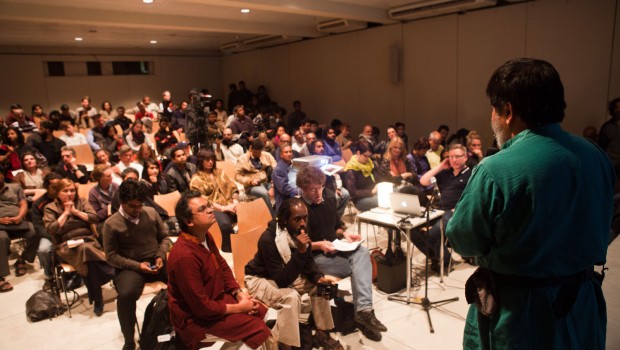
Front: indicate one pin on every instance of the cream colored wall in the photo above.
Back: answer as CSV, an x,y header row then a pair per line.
x,y
25,81
446,64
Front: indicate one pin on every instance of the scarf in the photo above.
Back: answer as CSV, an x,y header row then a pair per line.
x,y
284,243
365,169
397,166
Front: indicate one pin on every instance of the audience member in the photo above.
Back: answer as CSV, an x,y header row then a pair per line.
x,y
11,151
344,137
126,161
324,227
367,135
70,218
609,136
121,119
112,141
214,127
203,296
95,136
166,106
400,132
86,107
178,176
13,210
361,177
282,271
417,157
284,188
221,191
152,176
164,138
22,121
145,116
332,147
100,196
299,144
44,250
37,115
69,168
296,117
443,130
222,114
70,137
381,147
452,176
395,165
434,153
179,118
474,149
31,177
137,137
226,148
242,123
136,242
107,111
254,170
47,144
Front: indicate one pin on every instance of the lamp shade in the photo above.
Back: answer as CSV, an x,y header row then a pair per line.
x,y
383,193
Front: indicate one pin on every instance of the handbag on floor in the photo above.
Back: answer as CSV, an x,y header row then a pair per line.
x,y
43,305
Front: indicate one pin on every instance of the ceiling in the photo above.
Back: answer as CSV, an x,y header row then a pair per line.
x,y
204,25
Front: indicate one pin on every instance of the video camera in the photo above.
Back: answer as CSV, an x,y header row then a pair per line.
x,y
327,290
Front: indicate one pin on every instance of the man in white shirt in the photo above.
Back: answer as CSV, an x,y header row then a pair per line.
x,y
226,148
126,156
71,137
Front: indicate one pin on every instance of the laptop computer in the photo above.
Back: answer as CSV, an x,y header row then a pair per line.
x,y
404,203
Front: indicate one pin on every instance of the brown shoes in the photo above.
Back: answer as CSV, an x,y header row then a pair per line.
x,y
322,339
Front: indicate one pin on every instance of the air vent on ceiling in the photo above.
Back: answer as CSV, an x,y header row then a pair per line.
x,y
340,25
265,40
431,8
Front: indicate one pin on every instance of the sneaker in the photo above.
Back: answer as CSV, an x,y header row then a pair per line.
x,y
322,339
369,332
368,319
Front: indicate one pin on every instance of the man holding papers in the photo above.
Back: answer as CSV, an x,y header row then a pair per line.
x,y
324,227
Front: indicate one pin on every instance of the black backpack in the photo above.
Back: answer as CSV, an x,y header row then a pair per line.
x,y
156,323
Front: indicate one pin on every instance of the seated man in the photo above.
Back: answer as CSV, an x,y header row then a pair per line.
x,y
13,210
180,173
452,176
44,251
136,242
254,172
283,271
70,137
126,161
203,296
226,148
325,226
69,168
284,187
96,136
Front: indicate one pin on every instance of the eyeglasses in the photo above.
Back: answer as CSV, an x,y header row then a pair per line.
x,y
204,209
456,156
315,190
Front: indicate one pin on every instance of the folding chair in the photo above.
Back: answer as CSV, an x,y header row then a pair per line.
x,y
244,246
251,215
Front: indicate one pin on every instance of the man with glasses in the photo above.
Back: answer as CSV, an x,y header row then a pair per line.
x,y
204,297
136,242
324,226
452,176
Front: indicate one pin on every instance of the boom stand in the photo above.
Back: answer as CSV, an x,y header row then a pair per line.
x,y
426,304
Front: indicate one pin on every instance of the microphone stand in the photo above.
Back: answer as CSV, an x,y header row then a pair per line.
x,y
425,302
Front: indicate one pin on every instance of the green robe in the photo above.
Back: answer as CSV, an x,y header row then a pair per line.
x,y
540,207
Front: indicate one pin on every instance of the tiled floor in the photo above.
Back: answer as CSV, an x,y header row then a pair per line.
x,y
407,324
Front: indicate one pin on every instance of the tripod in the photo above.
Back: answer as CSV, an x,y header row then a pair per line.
x,y
426,304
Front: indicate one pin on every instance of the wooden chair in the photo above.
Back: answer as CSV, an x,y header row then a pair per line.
x,y
216,233
244,246
58,133
251,215
83,189
84,156
168,201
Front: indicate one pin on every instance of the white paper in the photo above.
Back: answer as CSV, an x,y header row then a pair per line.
x,y
72,243
345,246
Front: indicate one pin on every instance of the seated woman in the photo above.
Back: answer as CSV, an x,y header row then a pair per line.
x,y
361,177
219,189
13,147
32,176
474,149
137,137
395,166
100,196
153,178
145,152
70,218
111,139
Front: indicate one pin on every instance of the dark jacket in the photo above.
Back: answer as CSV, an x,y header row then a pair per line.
x,y
267,263
175,179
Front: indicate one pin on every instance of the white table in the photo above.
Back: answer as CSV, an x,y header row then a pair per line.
x,y
389,220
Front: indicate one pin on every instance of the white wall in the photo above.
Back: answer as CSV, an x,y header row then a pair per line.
x,y
447,62
25,81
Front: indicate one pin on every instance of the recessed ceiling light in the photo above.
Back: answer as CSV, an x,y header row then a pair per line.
x,y
245,10
147,1
77,38
153,41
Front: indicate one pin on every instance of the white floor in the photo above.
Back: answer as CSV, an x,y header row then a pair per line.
x,y
408,326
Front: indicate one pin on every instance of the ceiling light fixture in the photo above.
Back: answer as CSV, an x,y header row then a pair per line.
x,y
245,10
147,1
77,38
153,41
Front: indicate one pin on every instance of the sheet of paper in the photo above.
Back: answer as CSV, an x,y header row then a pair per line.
x,y
345,246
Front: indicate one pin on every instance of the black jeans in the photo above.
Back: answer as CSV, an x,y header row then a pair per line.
x,y
129,286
